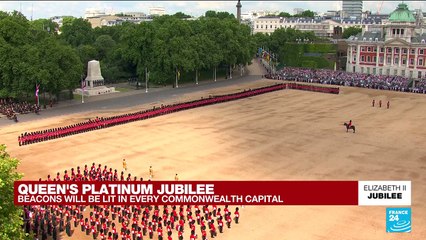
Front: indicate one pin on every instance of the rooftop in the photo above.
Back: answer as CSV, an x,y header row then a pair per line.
x,y
402,14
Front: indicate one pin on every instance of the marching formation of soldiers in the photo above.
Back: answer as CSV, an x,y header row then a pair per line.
x,y
312,88
104,122
135,222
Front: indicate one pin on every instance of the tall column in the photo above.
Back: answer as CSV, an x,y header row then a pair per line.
x,y
239,11
400,55
358,54
408,59
415,59
385,57
377,57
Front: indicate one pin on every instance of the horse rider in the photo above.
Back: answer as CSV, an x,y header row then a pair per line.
x,y
349,124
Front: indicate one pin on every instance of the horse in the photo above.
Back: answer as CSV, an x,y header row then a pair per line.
x,y
347,127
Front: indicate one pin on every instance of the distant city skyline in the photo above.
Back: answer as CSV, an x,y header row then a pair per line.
x,y
47,9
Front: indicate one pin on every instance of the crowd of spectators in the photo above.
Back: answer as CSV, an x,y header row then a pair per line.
x,y
125,222
342,78
10,108
104,122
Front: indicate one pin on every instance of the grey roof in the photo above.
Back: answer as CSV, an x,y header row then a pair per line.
x,y
369,35
419,38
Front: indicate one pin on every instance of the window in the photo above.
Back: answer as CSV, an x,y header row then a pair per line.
x,y
419,74
395,72
368,49
388,60
388,72
374,49
368,59
382,50
421,51
374,71
353,69
393,31
396,50
413,51
354,59
404,61
261,26
396,61
380,71
404,50
271,26
411,61
423,41
374,59
397,31
421,62
362,69
368,70
403,73
402,33
381,59
257,26
362,58
362,49
389,50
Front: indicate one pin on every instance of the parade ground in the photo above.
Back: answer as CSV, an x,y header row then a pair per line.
x,y
284,135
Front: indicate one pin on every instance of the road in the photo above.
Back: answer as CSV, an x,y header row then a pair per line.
x,y
135,98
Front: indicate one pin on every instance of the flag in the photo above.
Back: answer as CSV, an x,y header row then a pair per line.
x,y
83,84
37,89
178,74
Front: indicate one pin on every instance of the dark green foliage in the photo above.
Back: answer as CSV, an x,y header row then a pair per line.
x,y
351,31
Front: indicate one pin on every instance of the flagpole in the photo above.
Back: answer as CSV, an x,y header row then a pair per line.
x,y
177,76
38,99
82,89
146,79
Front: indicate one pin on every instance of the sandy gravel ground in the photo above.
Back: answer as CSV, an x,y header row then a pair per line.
x,y
285,135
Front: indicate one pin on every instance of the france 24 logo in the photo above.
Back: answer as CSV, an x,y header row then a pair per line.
x,y
398,220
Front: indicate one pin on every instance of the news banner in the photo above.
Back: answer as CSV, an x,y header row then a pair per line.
x,y
358,193
363,193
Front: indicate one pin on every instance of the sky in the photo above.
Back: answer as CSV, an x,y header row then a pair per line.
x,y
47,9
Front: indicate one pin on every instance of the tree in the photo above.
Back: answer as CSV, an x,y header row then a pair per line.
x,y
220,15
78,32
284,14
181,15
104,44
351,31
10,215
45,25
306,13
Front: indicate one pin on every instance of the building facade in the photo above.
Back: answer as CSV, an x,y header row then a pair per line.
x,y
351,8
398,49
322,27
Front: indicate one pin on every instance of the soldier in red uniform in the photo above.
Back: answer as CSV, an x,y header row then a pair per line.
x,y
203,233
220,224
228,220
236,215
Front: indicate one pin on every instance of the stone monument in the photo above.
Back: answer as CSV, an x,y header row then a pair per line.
x,y
94,77
94,82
